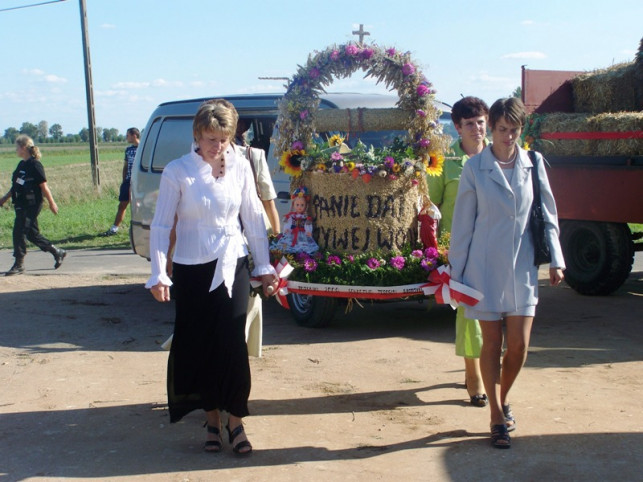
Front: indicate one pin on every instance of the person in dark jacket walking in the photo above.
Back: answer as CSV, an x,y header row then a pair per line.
x,y
28,187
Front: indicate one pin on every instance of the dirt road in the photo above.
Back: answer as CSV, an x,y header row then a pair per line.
x,y
376,396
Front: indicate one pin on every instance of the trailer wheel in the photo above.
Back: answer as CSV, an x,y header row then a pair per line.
x,y
312,311
598,256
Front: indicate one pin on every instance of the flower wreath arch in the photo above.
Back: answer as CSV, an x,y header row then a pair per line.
x,y
299,105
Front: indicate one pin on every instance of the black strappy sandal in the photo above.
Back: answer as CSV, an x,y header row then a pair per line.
x,y
213,446
244,443
500,438
510,420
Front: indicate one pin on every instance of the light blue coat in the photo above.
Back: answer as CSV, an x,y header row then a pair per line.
x,y
491,248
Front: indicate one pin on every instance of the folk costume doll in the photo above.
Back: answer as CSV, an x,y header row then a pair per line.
x,y
297,236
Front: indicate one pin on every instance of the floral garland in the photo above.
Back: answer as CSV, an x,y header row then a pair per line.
x,y
367,269
420,153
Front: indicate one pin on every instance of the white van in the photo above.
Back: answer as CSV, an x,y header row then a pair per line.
x,y
168,135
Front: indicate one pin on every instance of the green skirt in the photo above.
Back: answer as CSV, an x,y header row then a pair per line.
x,y
468,337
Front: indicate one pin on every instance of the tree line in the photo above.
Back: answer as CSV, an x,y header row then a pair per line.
x,y
42,133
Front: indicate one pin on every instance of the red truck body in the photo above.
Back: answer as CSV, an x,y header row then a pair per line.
x,y
596,196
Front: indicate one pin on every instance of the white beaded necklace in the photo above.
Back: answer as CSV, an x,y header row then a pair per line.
x,y
509,161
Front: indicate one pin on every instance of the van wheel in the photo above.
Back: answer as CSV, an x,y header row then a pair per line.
x,y
598,256
312,311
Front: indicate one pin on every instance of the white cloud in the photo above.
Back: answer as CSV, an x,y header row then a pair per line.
x,y
131,85
527,22
167,83
36,72
108,26
54,79
524,55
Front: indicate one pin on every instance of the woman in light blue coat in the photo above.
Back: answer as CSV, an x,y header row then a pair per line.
x,y
492,251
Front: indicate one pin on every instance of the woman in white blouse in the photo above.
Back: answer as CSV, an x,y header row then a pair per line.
x,y
211,191
491,251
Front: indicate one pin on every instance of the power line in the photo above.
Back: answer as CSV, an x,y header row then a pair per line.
x,y
32,5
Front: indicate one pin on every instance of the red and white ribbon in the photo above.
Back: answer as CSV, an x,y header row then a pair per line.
x,y
362,292
283,270
448,291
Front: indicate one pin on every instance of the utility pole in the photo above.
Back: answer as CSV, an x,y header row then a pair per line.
x,y
90,97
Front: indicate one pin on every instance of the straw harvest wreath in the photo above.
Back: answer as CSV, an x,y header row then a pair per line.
x,y
363,199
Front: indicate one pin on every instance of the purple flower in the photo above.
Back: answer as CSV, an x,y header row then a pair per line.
x,y
431,253
417,253
391,52
334,55
301,256
422,90
373,263
408,69
336,156
397,262
333,260
350,258
427,264
424,142
351,50
420,113
314,73
297,146
389,162
310,265
303,114
366,53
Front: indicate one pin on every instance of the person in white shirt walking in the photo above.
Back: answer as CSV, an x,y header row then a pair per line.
x,y
211,192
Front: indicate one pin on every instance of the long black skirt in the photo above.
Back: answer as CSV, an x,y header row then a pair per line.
x,y
208,366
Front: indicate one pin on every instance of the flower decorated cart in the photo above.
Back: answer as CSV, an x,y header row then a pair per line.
x,y
365,201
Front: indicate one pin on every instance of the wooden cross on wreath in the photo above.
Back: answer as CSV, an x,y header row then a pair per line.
x,y
361,33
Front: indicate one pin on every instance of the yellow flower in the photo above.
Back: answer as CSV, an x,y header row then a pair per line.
x,y
350,165
335,140
291,162
434,166
396,168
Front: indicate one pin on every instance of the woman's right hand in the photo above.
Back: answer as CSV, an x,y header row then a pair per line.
x,y
160,292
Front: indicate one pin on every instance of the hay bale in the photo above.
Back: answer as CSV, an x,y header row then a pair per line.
x,y
607,90
352,216
361,119
608,122
559,122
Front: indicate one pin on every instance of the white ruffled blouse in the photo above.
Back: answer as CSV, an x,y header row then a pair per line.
x,y
208,211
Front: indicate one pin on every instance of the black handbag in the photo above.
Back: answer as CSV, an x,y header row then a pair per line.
x,y
542,254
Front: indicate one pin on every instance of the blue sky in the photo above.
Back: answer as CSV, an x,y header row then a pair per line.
x,y
145,52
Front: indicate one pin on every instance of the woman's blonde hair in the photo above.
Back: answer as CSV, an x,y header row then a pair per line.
x,y
23,140
215,115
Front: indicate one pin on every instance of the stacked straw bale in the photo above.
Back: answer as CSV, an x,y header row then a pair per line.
x,y
613,89
352,216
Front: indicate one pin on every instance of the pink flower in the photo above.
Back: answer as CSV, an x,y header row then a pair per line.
x,y
392,177
424,142
397,262
427,264
422,90
408,69
297,146
351,50
431,253
417,253
366,53
333,260
373,263
389,161
391,52
350,258
310,265
336,156
334,55
420,113
415,182
303,114
314,73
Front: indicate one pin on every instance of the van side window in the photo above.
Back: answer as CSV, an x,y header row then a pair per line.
x,y
174,140
148,147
